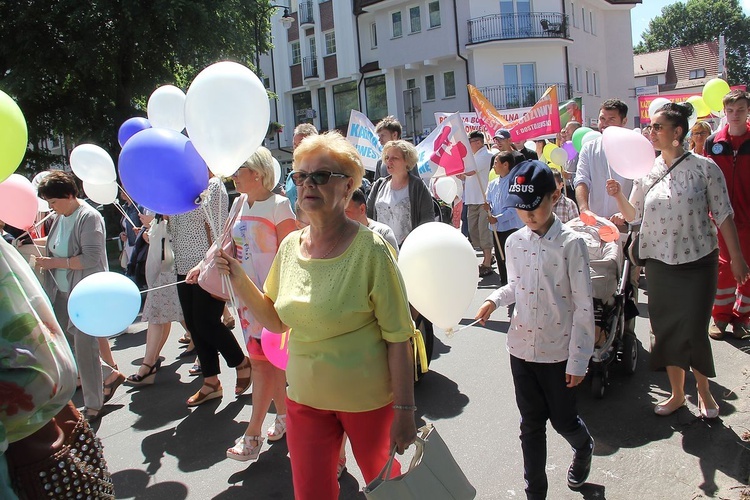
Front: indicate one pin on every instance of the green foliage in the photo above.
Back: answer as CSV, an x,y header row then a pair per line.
x,y
80,69
699,21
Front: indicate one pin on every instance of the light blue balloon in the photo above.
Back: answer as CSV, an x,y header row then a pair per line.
x,y
291,192
104,304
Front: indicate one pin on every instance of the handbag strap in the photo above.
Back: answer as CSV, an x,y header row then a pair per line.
x,y
661,178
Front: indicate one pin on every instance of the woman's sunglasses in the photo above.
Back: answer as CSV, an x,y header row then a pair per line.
x,y
319,177
657,127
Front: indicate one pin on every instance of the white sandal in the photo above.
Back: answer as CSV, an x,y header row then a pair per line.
x,y
244,450
278,430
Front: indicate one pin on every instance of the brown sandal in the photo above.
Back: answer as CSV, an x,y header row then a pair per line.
x,y
243,383
201,397
109,389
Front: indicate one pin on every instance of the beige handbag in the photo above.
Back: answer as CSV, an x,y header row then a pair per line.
x,y
433,474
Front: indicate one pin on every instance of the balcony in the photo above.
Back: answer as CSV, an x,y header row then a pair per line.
x,y
514,26
310,67
305,12
522,96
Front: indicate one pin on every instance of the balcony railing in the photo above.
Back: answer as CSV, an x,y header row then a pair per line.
x,y
522,96
310,67
306,13
513,26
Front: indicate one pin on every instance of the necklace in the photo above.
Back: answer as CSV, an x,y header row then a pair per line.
x,y
341,235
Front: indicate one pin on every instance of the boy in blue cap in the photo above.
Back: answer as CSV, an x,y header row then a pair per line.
x,y
551,335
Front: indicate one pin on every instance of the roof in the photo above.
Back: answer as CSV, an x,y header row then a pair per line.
x,y
653,63
702,56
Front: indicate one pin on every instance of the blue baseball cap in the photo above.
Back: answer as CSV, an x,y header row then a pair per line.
x,y
530,182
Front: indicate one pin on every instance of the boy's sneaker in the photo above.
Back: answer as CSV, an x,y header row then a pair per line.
x,y
717,329
579,470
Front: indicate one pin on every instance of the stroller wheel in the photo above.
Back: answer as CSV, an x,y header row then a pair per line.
x,y
599,384
629,353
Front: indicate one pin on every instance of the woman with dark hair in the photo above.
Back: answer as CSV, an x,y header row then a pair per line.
x,y
676,203
76,246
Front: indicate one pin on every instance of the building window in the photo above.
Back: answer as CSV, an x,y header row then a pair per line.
x,y
415,19
588,82
376,99
374,35
396,28
578,78
434,10
520,85
411,83
323,106
697,73
573,17
296,53
592,26
449,84
583,20
302,104
330,40
429,88
596,83
652,80
345,99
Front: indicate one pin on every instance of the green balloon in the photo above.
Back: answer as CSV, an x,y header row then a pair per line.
x,y
578,137
13,136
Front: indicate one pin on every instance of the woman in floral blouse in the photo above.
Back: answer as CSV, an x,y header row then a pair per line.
x,y
678,238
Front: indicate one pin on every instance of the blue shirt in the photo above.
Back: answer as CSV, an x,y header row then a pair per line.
x,y
497,193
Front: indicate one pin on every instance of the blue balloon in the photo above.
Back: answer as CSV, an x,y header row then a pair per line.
x,y
161,170
130,127
104,304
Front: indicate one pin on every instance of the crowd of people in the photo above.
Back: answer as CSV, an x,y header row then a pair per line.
x,y
317,256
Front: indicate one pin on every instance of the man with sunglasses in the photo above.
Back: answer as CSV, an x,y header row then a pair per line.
x,y
730,149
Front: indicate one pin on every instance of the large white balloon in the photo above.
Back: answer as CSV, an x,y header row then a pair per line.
x,y
103,194
655,105
276,172
440,271
166,108
226,115
446,189
92,164
43,205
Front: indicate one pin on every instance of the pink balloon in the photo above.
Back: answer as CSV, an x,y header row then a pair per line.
x,y
276,353
18,203
629,153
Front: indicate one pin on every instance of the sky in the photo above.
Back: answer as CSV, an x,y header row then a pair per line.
x,y
644,12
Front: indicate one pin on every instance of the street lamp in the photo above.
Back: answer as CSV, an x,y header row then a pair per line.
x,y
286,21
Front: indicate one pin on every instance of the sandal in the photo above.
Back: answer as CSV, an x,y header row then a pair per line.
x,y
244,450
195,370
229,323
341,467
243,383
109,389
185,339
201,397
485,271
90,414
277,430
146,379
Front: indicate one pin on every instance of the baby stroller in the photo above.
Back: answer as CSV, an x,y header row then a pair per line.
x,y
613,306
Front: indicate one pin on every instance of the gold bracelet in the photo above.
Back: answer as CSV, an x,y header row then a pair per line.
x,y
405,407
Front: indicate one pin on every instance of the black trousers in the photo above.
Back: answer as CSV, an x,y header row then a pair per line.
x,y
502,270
541,394
210,336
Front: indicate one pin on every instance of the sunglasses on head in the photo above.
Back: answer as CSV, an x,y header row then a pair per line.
x,y
319,177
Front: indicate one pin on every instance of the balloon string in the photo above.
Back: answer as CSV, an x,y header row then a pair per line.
x,y
129,198
35,224
163,286
122,211
450,332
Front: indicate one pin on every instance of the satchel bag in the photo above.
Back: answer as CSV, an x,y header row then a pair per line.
x,y
433,474
632,245
63,459
209,278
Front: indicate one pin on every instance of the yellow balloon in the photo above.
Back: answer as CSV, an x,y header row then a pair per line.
x,y
493,175
713,93
13,136
548,150
700,105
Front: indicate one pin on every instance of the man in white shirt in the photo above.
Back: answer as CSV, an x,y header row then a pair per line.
x,y
593,170
475,186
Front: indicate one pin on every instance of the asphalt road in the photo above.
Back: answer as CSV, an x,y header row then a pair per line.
x,y
158,448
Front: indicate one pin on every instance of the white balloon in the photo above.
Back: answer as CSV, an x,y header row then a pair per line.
x,y
459,185
655,105
166,108
559,156
226,115
38,178
103,194
43,205
276,172
446,189
590,136
530,145
440,272
92,164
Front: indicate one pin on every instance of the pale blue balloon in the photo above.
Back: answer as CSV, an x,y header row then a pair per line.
x,y
104,304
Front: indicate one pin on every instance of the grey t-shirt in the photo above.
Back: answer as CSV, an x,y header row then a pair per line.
x,y
384,231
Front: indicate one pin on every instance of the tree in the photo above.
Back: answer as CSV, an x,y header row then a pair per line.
x,y
79,69
699,21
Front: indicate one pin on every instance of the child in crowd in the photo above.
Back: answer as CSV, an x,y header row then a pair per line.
x,y
565,208
551,335
503,220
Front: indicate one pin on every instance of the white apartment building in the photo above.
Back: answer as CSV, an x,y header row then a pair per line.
x,y
412,58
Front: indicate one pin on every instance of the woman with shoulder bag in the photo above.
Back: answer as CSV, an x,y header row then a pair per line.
x,y
676,203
